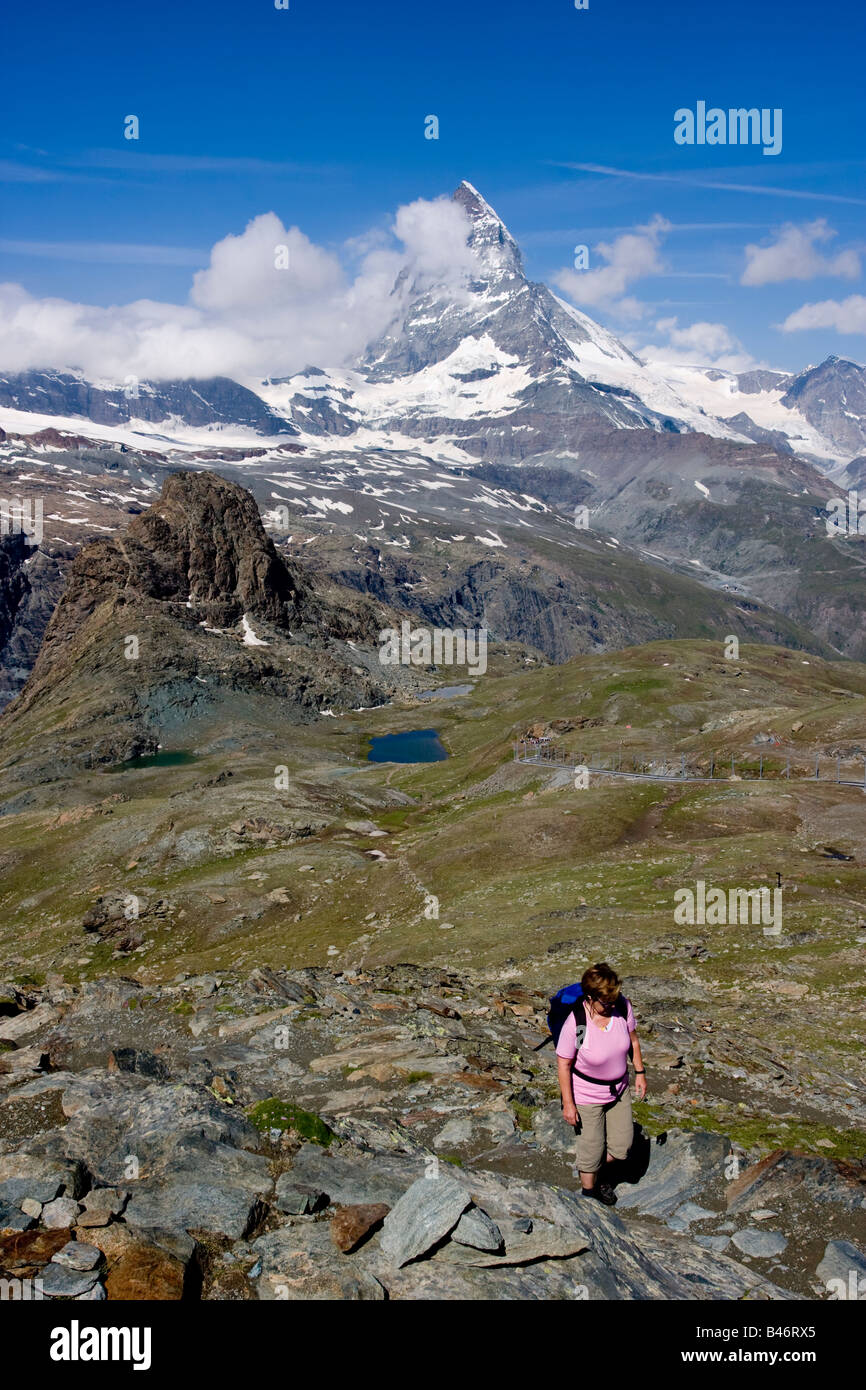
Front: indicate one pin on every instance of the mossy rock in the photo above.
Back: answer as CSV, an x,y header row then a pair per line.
x,y
282,1114
523,1115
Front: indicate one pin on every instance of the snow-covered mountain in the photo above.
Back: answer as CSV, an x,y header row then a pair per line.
x,y
819,413
479,363
495,366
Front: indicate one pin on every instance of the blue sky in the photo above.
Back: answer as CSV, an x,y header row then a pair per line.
x,y
316,113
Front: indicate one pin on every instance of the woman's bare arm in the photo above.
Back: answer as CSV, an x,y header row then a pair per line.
x,y
569,1112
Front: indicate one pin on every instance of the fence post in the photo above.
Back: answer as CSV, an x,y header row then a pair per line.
x,y
761,767
816,766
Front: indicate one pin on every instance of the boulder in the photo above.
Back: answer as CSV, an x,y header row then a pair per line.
x,y
477,1230
143,1271
423,1216
101,1204
351,1225
296,1200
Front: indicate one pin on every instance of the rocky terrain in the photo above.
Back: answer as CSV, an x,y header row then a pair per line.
x,y
381,1134
218,1077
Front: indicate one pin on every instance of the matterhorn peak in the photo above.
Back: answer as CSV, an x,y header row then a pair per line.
x,y
491,241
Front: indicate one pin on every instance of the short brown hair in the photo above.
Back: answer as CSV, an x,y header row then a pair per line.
x,y
602,983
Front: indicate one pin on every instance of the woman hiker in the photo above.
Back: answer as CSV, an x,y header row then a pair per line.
x,y
593,1077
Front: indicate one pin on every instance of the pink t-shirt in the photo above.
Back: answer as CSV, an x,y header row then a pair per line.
x,y
603,1053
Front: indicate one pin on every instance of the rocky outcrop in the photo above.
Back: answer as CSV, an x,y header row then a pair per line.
x,y
237,1168
163,626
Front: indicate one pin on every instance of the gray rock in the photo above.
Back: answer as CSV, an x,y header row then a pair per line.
x,y
114,1116
301,1262
63,1211
715,1243
189,1206
352,1179
15,1190
457,1131
60,1282
477,1230
680,1168
686,1214
499,1124
523,1225
95,1295
101,1204
423,1216
840,1258
552,1132
760,1243
210,1187
14,1219
298,1201
31,1208
76,1255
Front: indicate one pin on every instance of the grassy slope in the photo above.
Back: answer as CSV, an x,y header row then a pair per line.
x,y
519,860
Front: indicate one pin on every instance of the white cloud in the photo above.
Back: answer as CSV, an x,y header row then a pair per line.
x,y
846,315
794,256
629,257
704,343
269,303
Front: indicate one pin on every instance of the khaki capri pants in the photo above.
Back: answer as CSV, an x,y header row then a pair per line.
x,y
604,1128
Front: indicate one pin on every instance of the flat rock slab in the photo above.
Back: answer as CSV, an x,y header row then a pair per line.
x,y
191,1206
60,1282
76,1255
144,1271
14,1219
680,1168
352,1179
21,1025
783,1174
13,1191
300,1262
543,1242
684,1264
686,1214
39,1172
423,1216
760,1243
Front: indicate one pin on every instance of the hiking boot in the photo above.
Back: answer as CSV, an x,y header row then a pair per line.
x,y
605,1194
